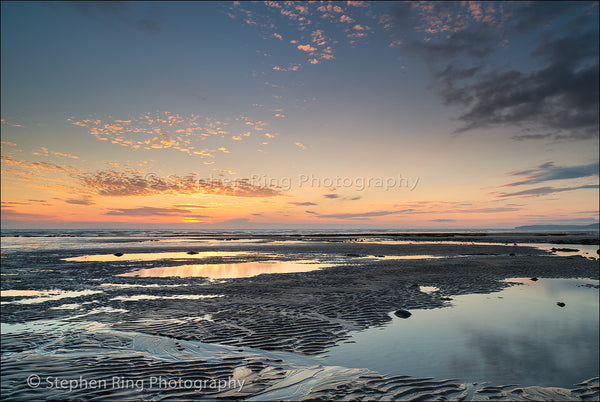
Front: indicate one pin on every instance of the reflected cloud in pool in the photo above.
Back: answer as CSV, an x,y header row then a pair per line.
x,y
220,271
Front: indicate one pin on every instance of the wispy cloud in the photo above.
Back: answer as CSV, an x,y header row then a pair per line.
x,y
363,215
420,210
549,172
151,211
80,201
306,204
46,152
332,196
540,191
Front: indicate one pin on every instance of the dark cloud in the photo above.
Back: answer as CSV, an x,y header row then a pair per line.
x,y
331,196
561,97
444,25
442,220
549,171
189,206
305,204
114,183
536,192
311,212
554,97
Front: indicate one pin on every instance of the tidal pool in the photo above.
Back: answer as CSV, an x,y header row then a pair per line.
x,y
41,296
516,336
156,256
220,271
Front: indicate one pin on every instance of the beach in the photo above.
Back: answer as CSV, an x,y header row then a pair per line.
x,y
87,323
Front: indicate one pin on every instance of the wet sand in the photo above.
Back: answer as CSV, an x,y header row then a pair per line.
x,y
266,329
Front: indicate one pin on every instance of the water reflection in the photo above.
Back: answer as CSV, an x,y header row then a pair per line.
x,y
156,256
219,271
518,335
43,295
171,297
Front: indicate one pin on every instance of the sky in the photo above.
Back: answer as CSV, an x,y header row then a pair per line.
x,y
222,115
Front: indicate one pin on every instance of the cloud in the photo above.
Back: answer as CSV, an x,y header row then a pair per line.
x,y
555,97
306,204
442,30
150,211
549,171
10,214
363,215
307,48
540,191
45,152
442,220
331,196
413,210
80,201
128,182
300,145
561,97
314,28
37,166
192,134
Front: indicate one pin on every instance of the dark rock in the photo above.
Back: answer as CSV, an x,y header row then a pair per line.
x,y
534,279
568,250
118,254
512,254
192,252
560,304
402,313
352,255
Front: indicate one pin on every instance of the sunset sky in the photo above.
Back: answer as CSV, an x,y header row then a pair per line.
x,y
209,115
